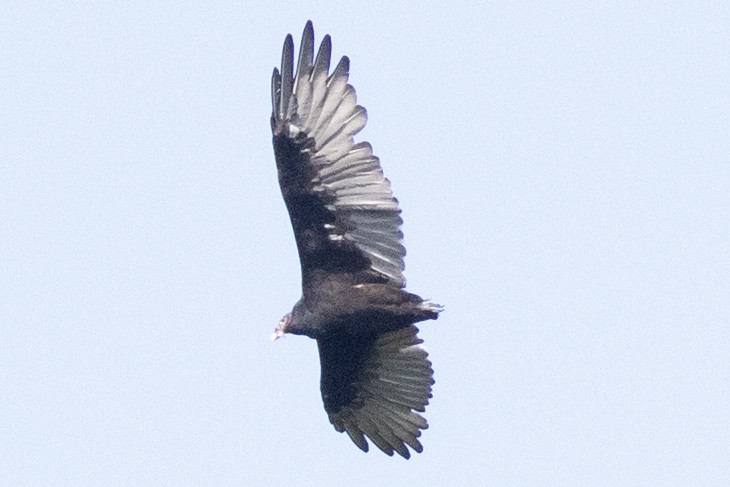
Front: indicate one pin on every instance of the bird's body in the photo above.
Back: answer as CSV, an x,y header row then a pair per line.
x,y
338,306
375,374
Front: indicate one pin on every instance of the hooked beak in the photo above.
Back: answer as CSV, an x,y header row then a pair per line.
x,y
278,333
281,327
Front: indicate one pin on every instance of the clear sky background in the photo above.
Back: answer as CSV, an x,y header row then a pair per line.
x,y
564,174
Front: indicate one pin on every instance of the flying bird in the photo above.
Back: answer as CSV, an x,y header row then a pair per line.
x,y
376,377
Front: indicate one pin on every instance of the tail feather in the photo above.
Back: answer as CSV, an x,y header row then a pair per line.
x,y
433,309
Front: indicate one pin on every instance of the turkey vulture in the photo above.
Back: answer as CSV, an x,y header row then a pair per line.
x,y
376,377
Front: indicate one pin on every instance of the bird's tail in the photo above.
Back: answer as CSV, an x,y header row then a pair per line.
x,y
433,309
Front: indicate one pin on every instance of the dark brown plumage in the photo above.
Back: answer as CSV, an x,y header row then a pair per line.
x,y
376,377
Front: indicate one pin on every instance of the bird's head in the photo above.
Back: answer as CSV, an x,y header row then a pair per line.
x,y
281,327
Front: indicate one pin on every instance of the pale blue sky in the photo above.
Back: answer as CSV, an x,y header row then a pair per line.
x,y
564,173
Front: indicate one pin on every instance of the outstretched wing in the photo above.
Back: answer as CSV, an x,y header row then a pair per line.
x,y
344,215
375,390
